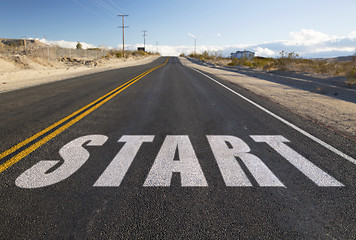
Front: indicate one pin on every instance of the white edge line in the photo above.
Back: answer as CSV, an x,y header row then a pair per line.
x,y
324,144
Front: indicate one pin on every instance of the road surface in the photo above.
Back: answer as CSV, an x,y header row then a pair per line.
x,y
164,151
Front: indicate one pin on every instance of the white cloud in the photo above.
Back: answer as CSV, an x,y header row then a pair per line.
x,y
165,50
218,34
66,44
170,50
264,52
308,37
191,35
307,43
334,49
352,34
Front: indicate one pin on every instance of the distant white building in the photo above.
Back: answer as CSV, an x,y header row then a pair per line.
x,y
243,54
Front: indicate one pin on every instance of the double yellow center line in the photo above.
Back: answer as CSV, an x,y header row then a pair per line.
x,y
72,119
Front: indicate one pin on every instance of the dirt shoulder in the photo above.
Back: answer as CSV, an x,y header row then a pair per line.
x,y
334,113
21,72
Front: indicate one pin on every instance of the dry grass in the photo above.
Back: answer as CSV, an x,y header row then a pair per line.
x,y
128,53
351,75
207,56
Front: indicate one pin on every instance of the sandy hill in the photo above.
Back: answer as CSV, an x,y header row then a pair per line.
x,y
20,42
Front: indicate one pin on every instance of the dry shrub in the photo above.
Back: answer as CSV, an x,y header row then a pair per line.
x,y
214,56
351,77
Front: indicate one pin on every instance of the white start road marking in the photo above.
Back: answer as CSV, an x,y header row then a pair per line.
x,y
308,168
74,156
187,165
115,172
231,170
226,150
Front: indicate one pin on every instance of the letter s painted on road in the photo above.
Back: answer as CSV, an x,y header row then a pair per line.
x,y
74,156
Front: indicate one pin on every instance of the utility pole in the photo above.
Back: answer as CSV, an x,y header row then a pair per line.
x,y
195,46
24,43
123,33
144,39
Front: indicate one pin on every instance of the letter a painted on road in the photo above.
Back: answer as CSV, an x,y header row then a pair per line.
x,y
188,165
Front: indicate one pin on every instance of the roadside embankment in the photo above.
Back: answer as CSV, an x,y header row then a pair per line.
x,y
20,72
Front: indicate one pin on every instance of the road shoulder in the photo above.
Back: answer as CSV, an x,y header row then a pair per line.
x,y
334,113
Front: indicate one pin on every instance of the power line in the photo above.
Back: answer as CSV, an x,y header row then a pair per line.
x,y
89,10
123,32
105,6
117,6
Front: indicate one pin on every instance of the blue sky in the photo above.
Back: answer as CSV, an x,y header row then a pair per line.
x,y
223,25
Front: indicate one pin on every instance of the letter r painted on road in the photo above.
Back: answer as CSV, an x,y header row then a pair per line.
x,y
188,165
74,156
231,170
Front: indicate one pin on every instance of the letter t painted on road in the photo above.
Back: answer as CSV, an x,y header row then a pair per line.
x,y
115,172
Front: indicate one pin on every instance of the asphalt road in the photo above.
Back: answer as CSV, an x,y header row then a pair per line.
x,y
168,154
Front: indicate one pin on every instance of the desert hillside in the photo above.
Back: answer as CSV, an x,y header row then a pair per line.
x,y
29,62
